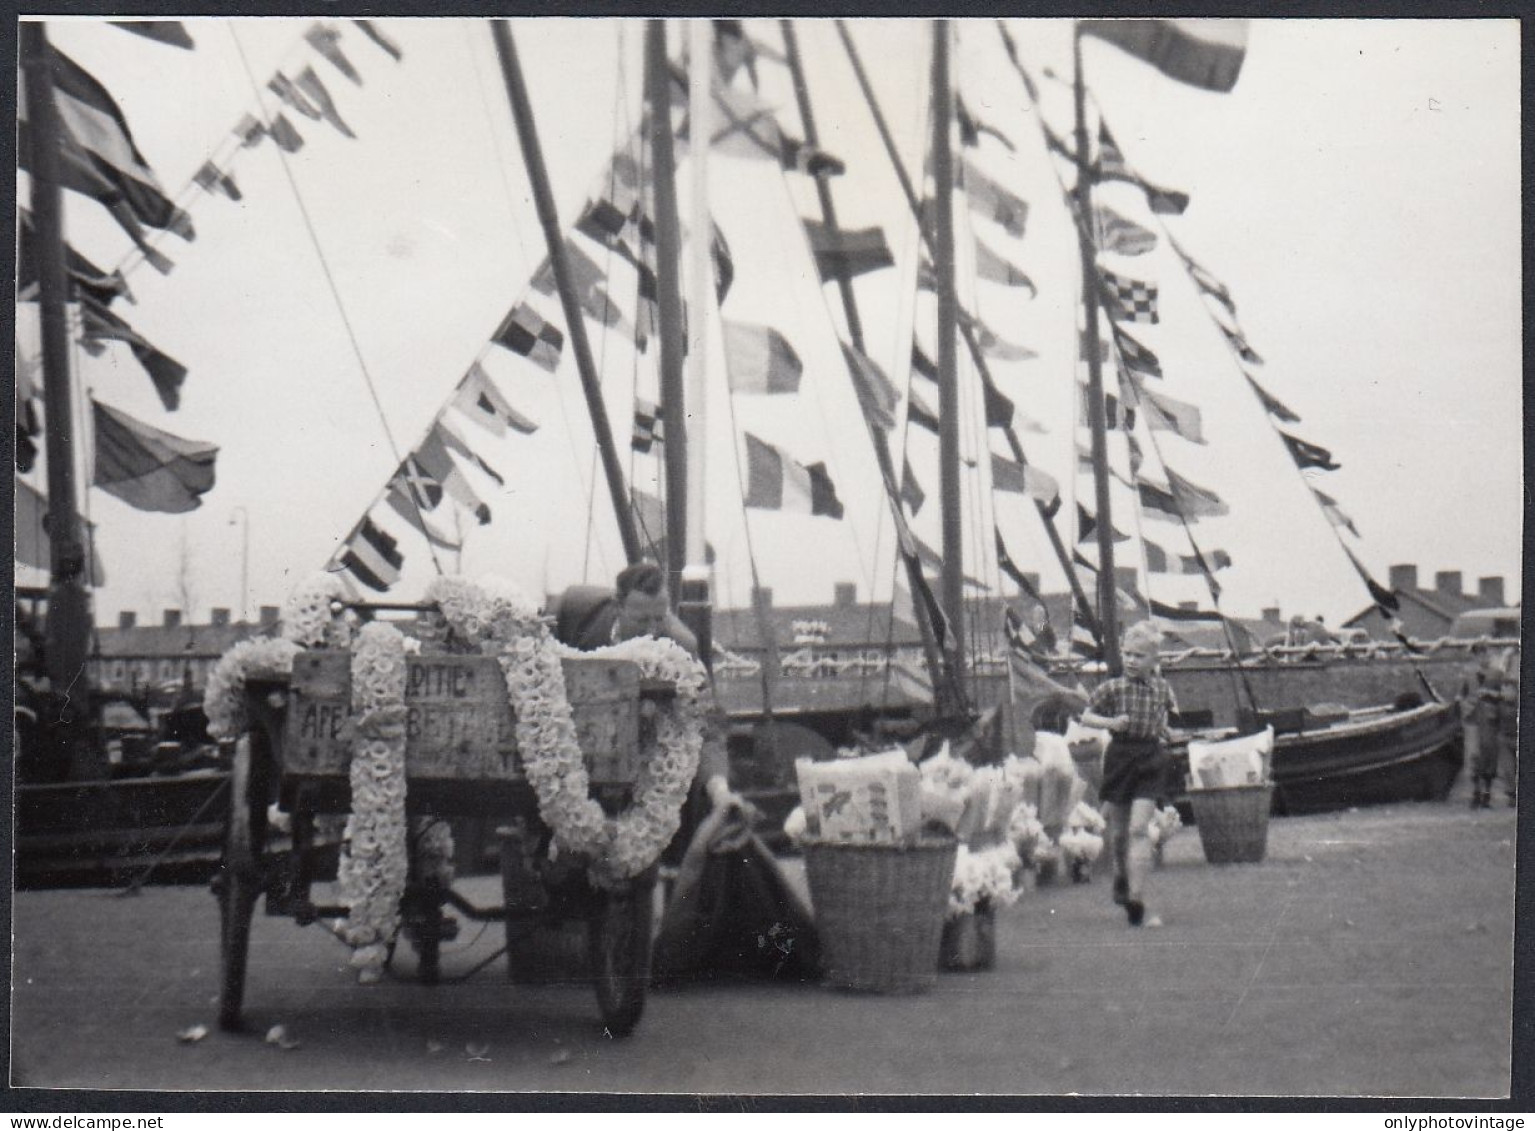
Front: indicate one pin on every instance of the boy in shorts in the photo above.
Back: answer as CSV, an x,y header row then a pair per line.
x,y
1134,707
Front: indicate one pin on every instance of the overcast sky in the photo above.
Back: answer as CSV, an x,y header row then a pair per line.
x,y
1358,191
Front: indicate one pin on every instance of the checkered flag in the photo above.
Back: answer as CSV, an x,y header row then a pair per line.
x,y
1129,300
647,425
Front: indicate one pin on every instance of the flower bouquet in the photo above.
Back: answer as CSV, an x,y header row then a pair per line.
x,y
1165,822
1082,841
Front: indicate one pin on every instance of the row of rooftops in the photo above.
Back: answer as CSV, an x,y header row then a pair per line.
x,y
845,622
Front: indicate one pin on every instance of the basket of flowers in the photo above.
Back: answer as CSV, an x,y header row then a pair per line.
x,y
879,874
1231,793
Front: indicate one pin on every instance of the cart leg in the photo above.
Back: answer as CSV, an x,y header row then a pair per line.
x,y
619,950
241,872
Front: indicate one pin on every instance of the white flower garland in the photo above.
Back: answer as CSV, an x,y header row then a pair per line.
x,y
311,613
501,621
374,857
224,696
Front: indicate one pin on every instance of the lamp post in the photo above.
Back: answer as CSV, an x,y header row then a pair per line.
x,y
245,560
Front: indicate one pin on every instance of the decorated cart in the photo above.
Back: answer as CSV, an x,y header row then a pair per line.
x,y
468,709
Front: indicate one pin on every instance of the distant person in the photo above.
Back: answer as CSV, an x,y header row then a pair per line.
x,y
1134,707
1493,709
731,908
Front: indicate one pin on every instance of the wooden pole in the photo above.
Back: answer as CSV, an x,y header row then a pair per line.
x,y
1108,613
543,199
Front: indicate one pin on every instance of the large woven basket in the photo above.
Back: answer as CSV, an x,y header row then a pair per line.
x,y
879,911
1233,822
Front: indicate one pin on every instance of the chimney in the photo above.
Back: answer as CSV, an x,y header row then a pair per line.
x,y
1404,577
220,617
127,618
1490,590
172,618
845,594
1271,613
1447,581
269,614
762,596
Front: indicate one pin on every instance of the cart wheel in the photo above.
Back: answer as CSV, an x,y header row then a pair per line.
x,y
241,871
619,948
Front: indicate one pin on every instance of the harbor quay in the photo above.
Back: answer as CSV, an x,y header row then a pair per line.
x,y
1369,955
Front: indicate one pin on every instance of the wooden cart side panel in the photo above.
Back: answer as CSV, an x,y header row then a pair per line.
x,y
458,722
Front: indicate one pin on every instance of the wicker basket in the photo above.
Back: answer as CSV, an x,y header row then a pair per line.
x,y
1233,822
879,910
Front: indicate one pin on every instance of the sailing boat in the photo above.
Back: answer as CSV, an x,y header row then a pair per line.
x,y
438,487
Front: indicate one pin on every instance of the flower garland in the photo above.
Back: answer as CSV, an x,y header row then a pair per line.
x,y
312,616
374,858
501,621
224,696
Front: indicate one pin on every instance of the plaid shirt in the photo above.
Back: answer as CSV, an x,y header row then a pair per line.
x,y
1147,701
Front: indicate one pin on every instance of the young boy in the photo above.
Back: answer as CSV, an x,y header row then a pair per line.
x,y
1134,707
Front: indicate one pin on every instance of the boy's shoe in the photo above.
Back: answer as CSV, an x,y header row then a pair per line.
x,y
1121,890
1136,910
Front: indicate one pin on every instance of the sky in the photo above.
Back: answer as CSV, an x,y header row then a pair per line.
x,y
1358,191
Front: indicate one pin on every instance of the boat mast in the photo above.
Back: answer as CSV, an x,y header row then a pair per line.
x,y
69,619
658,102
952,588
948,692
543,199
966,330
1107,604
694,605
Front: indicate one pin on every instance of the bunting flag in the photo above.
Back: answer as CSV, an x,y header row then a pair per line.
x,y
1204,53
210,178
647,425
1239,343
650,519
1134,356
1334,514
1085,465
588,280
971,128
172,33
777,482
1182,500
989,265
33,547
1121,236
372,556
932,560
1159,560
920,413
912,493
612,226
798,157
1385,598
1112,167
877,397
432,460
724,265
1306,454
1006,564
921,364
1272,404
847,254
479,399
743,126
250,131
1023,642
327,41
1084,638
455,442
29,412
410,496
310,84
147,468
371,30
994,347
1087,528
1023,479
759,359
282,86
1165,611
1168,414
1116,414
523,332
1205,281
999,406
101,159
1128,300
734,49
84,276
98,325
286,134
991,201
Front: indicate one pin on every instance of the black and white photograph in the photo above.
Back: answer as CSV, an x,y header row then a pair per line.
x,y
779,557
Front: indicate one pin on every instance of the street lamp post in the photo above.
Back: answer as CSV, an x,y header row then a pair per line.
x,y
245,560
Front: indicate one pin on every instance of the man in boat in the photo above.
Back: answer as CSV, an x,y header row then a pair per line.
x,y
730,906
1135,708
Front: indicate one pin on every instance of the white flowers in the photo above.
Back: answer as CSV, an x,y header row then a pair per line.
x,y
983,875
224,697
311,609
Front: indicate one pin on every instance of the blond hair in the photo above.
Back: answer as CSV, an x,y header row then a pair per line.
x,y
1143,634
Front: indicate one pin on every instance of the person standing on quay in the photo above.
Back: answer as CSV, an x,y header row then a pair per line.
x,y
1135,708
